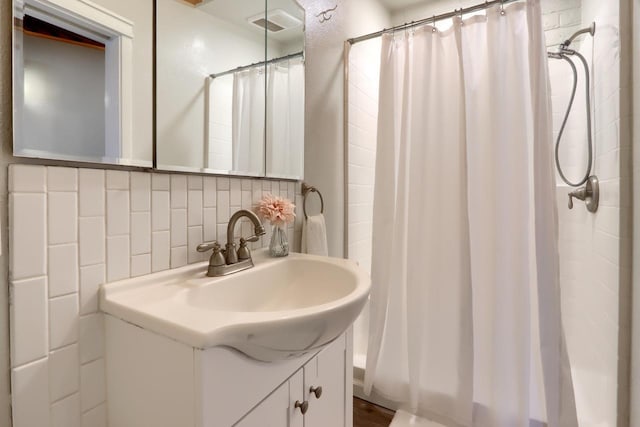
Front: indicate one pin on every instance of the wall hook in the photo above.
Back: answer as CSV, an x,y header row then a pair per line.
x,y
326,15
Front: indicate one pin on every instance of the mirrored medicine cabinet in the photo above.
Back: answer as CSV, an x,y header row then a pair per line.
x,y
229,84
230,87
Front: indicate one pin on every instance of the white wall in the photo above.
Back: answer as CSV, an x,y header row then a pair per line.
x,y
64,87
324,90
74,229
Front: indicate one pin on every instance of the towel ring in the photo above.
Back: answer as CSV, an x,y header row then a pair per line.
x,y
306,189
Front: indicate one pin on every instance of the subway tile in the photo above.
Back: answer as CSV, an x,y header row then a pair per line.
x,y
63,270
64,370
92,240
160,211
140,265
223,183
178,191
194,182
160,181
63,321
29,320
246,200
28,235
194,211
178,257
117,212
178,227
62,217
95,417
140,233
221,231
209,227
91,192
117,180
246,185
266,185
117,258
30,394
140,191
234,193
66,412
209,192
27,179
90,280
194,239
92,384
91,337
62,179
223,208
160,252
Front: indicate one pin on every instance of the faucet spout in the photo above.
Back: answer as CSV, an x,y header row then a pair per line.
x,y
258,228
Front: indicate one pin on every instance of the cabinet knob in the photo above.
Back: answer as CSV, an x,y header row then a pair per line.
x,y
304,406
317,391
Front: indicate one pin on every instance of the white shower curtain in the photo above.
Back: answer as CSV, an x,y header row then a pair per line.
x,y
248,120
285,117
465,322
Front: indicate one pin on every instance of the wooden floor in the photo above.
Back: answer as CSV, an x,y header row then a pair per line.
x,y
367,414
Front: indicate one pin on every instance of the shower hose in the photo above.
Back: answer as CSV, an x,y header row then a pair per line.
x,y
563,55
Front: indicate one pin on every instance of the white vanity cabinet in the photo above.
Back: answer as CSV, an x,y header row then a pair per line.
x,y
154,381
277,410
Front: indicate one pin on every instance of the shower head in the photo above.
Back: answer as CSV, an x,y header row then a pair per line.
x,y
591,29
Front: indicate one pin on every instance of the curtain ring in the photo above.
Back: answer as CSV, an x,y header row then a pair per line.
x,y
502,12
434,29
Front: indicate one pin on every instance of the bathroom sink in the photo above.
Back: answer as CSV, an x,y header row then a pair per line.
x,y
280,309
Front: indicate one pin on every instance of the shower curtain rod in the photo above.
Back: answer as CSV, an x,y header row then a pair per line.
x,y
246,67
432,19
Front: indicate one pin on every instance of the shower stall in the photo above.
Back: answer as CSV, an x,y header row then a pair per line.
x,y
594,247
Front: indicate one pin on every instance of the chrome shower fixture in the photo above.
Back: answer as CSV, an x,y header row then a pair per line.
x,y
590,192
590,29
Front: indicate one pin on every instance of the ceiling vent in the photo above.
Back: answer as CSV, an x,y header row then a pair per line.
x,y
277,20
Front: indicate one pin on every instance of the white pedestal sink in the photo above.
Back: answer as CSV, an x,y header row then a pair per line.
x,y
280,309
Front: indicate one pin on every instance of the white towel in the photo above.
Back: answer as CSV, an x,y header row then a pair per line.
x,y
314,236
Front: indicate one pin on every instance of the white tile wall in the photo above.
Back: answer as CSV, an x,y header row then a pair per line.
x,y
364,64
72,230
591,257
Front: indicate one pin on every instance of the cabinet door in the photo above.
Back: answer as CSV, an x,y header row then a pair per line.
x,y
278,409
326,370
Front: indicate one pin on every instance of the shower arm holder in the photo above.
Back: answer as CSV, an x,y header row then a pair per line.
x,y
590,194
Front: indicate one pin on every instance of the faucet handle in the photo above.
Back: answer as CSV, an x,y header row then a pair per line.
x,y
243,250
207,246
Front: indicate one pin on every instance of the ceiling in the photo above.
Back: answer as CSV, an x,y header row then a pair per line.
x,y
395,5
238,11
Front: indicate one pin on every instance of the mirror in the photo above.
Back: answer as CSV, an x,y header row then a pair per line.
x,y
285,90
76,95
214,90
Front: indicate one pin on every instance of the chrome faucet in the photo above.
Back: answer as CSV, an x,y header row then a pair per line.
x,y
228,260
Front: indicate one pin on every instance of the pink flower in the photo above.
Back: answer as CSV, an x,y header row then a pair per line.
x,y
277,210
